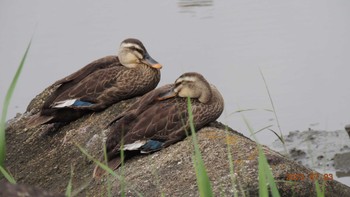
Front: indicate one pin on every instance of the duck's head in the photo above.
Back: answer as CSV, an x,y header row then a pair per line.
x,y
192,85
132,53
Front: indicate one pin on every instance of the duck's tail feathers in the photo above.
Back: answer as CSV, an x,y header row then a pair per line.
x,y
37,120
112,164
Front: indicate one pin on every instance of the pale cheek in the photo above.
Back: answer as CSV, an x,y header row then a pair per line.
x,y
181,94
185,92
130,58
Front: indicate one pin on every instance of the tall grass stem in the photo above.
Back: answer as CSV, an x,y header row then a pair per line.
x,y
273,107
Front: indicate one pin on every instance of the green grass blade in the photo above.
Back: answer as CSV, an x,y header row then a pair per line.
x,y
261,129
319,191
265,173
246,110
69,186
7,175
273,106
268,173
6,105
4,114
279,137
263,188
203,181
101,165
109,184
106,168
232,172
122,182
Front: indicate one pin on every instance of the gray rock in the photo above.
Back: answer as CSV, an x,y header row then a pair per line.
x,y
21,190
44,158
341,164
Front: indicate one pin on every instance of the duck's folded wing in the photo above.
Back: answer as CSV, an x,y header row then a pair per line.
x,y
101,63
158,125
132,120
89,91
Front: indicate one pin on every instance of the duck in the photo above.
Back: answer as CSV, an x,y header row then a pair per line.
x,y
101,83
160,118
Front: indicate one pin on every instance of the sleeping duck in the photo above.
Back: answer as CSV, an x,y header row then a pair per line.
x,y
100,84
160,118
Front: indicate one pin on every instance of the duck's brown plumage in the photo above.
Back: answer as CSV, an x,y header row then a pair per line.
x,y
100,84
161,120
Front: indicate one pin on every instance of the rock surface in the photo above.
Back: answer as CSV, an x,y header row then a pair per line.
x,y
45,158
22,190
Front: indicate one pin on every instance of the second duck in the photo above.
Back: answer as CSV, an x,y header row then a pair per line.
x,y
160,118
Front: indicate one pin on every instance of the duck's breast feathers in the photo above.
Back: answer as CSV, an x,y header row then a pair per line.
x,y
101,63
208,112
217,99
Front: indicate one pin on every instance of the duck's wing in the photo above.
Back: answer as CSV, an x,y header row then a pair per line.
x,y
94,89
160,125
37,120
124,122
61,94
101,63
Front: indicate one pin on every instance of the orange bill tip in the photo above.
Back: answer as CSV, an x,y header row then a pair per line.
x,y
157,66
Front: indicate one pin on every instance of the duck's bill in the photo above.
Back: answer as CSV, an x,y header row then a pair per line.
x,y
151,62
167,95
157,66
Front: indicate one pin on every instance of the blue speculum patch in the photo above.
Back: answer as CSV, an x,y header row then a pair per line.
x,y
152,145
81,103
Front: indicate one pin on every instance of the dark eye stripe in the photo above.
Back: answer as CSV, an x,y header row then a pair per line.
x,y
136,49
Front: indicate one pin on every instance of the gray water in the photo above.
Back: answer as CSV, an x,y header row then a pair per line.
x,y
301,47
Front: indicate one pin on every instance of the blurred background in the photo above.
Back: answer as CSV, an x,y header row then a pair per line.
x,y
301,47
